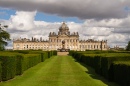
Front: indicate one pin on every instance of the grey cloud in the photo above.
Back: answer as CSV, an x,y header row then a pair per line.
x,y
84,9
122,30
15,30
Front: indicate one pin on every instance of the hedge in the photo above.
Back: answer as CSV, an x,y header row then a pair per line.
x,y
44,56
121,72
103,62
0,72
106,63
30,60
8,67
19,62
15,63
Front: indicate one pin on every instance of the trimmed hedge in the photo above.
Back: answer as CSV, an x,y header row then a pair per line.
x,y
8,67
97,64
54,53
102,62
0,72
121,72
19,62
15,63
30,60
44,56
106,64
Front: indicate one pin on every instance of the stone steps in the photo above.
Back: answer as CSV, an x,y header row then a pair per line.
x,y
62,53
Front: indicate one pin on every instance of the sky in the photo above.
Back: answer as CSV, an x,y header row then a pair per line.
x,y
93,19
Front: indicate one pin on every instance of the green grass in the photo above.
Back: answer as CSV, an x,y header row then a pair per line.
x,y
58,71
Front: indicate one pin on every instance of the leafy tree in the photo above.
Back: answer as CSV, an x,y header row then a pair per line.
x,y
128,46
4,37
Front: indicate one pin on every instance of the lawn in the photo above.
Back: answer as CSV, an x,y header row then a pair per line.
x,y
59,71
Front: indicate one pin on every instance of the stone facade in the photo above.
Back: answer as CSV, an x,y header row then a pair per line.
x,y
71,40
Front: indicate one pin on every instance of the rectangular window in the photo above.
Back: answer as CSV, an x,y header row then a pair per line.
x,y
88,46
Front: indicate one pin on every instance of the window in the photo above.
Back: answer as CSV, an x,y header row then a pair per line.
x,y
88,46
17,45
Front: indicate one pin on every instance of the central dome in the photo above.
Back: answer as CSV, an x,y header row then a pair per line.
x,y
63,26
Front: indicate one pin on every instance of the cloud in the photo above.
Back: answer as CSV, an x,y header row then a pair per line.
x,y
23,24
96,31
22,20
113,22
83,9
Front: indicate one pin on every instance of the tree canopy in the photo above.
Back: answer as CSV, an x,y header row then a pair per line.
x,y
4,37
128,46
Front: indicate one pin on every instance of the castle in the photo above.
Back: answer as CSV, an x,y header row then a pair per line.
x,y
71,40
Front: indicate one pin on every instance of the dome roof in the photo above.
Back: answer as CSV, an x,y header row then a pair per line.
x,y
63,26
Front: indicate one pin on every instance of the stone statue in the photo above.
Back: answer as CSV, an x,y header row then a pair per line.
x,y
63,44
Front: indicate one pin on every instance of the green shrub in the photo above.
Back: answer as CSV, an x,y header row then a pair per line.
x,y
19,62
97,64
88,60
14,63
44,56
121,70
30,60
106,63
22,51
102,61
0,72
8,67
54,52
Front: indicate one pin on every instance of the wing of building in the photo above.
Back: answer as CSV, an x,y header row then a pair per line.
x,y
71,40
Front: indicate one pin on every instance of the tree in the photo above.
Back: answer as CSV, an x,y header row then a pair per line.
x,y
128,46
4,37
